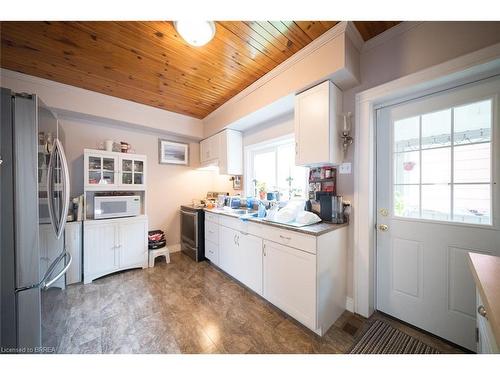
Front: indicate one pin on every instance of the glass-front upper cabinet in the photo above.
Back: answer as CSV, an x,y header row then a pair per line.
x,y
106,170
101,169
132,170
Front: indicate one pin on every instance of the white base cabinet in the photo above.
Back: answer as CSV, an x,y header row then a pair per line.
x,y
73,244
486,343
303,275
290,281
240,255
114,245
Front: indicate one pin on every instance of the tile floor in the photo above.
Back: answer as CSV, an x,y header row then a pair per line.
x,y
187,307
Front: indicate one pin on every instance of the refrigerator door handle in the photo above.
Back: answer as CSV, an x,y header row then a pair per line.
x,y
44,284
66,187
58,152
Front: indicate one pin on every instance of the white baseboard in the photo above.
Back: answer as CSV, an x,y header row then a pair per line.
x,y
174,248
349,304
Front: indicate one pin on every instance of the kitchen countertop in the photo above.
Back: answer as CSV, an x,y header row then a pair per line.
x,y
486,272
313,229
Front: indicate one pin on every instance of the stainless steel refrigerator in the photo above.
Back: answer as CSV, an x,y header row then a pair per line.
x,y
34,179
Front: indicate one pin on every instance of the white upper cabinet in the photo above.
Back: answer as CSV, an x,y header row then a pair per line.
x,y
209,149
224,149
105,170
317,125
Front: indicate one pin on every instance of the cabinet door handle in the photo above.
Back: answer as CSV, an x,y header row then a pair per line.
x,y
234,239
264,250
482,311
285,238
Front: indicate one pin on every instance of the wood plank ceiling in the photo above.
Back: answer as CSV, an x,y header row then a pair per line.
x,y
148,63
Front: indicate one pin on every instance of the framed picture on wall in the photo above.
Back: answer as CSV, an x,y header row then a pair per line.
x,y
170,152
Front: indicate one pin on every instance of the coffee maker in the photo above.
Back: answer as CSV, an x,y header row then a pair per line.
x,y
327,206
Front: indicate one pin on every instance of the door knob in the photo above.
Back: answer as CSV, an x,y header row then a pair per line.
x,y
482,311
383,227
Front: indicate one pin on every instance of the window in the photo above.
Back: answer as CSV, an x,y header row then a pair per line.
x,y
442,164
270,167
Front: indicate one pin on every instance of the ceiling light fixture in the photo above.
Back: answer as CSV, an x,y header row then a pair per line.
x,y
196,33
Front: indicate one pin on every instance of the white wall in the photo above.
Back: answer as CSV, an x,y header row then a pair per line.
x,y
270,130
168,186
403,50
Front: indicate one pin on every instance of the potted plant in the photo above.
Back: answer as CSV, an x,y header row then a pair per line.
x,y
261,187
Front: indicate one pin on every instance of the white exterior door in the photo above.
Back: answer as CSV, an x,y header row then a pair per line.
x,y
437,200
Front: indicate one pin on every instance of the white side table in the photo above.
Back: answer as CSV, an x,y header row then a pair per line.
x,y
154,253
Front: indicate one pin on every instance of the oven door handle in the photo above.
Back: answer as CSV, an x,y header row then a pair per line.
x,y
189,213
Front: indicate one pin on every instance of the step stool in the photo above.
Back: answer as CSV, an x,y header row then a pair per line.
x,y
154,253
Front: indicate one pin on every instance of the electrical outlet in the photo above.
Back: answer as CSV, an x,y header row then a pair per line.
x,y
345,168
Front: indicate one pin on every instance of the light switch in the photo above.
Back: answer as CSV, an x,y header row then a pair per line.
x,y
345,168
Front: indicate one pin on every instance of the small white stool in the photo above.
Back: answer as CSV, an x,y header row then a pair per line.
x,y
154,253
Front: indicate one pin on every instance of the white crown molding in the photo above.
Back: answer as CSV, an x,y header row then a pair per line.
x,y
393,32
354,35
336,31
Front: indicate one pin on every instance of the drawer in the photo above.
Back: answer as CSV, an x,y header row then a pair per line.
x,y
290,238
214,218
212,252
212,232
241,226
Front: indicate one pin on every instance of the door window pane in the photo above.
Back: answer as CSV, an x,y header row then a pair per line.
x,y
407,134
436,200
436,129
407,200
472,122
436,166
138,178
127,178
94,163
127,165
138,166
472,163
454,147
108,164
107,178
407,168
471,204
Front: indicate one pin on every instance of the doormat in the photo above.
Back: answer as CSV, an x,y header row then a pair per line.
x,y
382,338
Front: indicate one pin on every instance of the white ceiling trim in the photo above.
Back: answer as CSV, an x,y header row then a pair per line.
x,y
393,32
336,31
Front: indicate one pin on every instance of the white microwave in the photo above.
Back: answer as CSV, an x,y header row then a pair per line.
x,y
108,207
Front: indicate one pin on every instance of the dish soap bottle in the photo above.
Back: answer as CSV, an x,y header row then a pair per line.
x,y
262,210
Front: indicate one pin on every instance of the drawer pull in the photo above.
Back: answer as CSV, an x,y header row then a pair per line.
x,y
482,311
285,238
